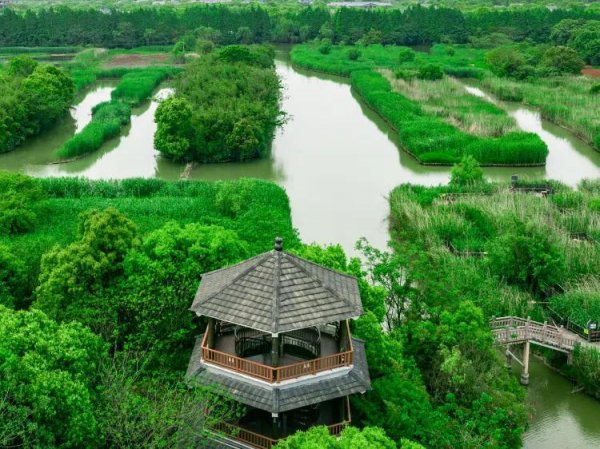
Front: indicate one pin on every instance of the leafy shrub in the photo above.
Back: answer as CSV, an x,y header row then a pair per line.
x,y
430,72
325,46
18,193
467,172
405,55
562,59
353,54
595,89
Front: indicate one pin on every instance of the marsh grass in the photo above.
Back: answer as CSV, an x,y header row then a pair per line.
x,y
107,120
565,100
472,222
448,99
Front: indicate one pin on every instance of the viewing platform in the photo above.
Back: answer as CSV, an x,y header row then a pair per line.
x,y
301,353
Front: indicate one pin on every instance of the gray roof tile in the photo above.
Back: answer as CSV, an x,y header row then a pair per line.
x,y
277,292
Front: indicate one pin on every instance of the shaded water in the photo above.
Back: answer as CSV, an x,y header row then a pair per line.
x,y
561,419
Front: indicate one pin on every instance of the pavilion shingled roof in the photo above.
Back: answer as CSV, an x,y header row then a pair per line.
x,y
277,292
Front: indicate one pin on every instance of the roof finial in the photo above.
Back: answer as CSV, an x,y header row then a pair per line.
x,y
278,244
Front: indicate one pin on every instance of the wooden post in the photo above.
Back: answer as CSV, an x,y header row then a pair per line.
x,y
275,350
508,359
210,340
275,426
525,372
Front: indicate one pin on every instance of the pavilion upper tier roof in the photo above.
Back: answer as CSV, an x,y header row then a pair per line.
x,y
277,292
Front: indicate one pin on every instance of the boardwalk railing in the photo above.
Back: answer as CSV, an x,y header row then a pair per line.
x,y
517,330
589,335
278,374
259,441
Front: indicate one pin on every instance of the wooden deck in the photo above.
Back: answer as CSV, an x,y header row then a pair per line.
x,y
259,367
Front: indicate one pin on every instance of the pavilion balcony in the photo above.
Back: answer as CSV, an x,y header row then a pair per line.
x,y
289,355
258,430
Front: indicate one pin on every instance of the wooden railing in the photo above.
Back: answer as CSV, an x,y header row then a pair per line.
x,y
264,442
516,330
273,374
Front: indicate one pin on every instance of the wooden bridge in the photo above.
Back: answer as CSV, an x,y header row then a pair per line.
x,y
512,330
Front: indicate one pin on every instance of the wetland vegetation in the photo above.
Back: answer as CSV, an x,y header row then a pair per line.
x,y
96,276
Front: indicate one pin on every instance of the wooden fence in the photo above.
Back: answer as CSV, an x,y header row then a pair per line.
x,y
277,374
516,330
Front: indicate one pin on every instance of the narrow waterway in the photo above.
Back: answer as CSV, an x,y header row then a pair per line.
x,y
338,162
561,419
569,159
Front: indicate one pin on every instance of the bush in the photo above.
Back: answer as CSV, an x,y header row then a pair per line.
x,y
595,89
18,193
137,85
430,72
353,54
405,55
467,172
325,47
562,60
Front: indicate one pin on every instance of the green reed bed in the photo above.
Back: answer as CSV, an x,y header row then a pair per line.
x,y
567,101
431,140
135,87
448,99
107,120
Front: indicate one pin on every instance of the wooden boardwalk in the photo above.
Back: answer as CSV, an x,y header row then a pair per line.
x,y
511,330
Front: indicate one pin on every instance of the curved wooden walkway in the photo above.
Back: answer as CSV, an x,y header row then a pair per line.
x,y
513,330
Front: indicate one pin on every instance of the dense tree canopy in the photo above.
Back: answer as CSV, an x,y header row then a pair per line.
x,y
226,108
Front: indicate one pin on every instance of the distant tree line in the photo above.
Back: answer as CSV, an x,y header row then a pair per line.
x,y
254,24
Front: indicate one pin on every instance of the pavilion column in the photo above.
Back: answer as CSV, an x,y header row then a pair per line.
x,y
344,337
275,425
525,372
275,349
210,340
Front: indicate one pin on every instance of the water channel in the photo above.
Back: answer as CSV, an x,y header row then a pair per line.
x,y
338,161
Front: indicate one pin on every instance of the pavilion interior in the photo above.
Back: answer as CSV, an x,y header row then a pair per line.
x,y
294,346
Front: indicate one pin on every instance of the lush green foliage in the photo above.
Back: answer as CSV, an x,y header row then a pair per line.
x,y
431,140
32,98
107,120
582,35
124,260
351,438
47,375
226,108
137,85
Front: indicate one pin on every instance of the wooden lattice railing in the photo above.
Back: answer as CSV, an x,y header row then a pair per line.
x,y
280,373
515,330
264,442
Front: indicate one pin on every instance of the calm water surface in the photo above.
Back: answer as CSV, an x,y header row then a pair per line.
x,y
338,162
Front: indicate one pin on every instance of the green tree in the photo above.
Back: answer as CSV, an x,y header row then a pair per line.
x,y
48,376
467,172
562,60
351,438
175,130
73,278
18,195
21,66
13,279
507,61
